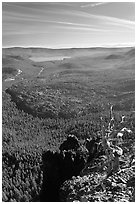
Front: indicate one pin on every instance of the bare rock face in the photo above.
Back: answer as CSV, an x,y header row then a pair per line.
x,y
102,181
97,186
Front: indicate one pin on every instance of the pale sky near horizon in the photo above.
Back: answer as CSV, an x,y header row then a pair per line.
x,y
68,24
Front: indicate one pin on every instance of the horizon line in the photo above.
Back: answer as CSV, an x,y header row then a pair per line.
x,y
97,46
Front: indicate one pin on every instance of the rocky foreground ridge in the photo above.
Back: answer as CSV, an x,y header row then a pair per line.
x,y
82,172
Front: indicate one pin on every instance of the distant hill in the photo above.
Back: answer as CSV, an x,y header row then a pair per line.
x,y
114,56
69,51
131,53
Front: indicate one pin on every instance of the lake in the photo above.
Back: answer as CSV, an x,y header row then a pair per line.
x,y
42,59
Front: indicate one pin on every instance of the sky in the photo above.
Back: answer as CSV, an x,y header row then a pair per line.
x,y
68,24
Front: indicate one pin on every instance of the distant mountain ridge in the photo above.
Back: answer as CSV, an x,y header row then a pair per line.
x,y
67,52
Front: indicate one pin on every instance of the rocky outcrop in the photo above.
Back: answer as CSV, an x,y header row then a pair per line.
x,y
102,180
80,171
96,186
61,166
